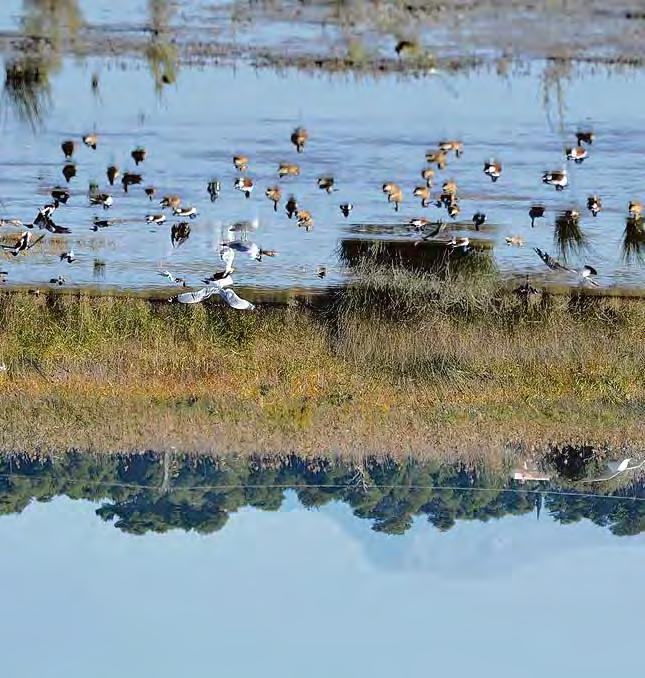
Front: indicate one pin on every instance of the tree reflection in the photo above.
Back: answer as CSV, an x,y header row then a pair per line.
x,y
162,53
149,493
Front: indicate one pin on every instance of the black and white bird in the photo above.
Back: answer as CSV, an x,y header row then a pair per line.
x,y
45,214
493,169
186,212
346,209
155,218
60,195
585,273
251,249
68,256
557,178
214,189
103,199
173,279
479,219
179,233
23,245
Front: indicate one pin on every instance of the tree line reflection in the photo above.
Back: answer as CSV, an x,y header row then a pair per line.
x,y
147,492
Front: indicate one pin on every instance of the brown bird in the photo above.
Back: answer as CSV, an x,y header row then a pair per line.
x,y
406,47
68,148
594,204
274,194
585,137
299,138
635,209
396,197
91,140
389,187
427,174
326,184
179,233
576,153
69,171
453,209
288,169
422,192
241,163
112,174
150,191
493,169
244,184
438,158
291,207
536,212
305,220
173,201
130,179
139,155
449,187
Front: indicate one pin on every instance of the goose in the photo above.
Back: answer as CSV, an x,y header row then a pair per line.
x,y
245,185
456,146
60,195
24,244
274,193
101,223
130,179
189,212
557,178
422,192
438,158
112,173
404,47
326,184
172,201
91,140
346,208
214,187
635,209
299,138
493,169
453,209
139,155
68,256
427,174
479,219
594,204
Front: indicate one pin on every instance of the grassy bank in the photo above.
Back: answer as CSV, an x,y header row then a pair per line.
x,y
394,363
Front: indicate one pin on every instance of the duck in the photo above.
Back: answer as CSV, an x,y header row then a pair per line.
x,y
536,212
456,146
438,158
291,207
69,256
585,137
576,153
172,201
525,291
515,240
427,174
321,272
59,280
346,208
326,184
179,233
241,162
68,148
185,212
173,278
91,140
422,192
244,184
460,243
449,188
594,204
454,209
60,195
69,171
635,209
288,169
557,178
404,47
299,138
419,223
150,191
305,220
103,199
130,179
214,188
479,219
274,193
112,174
155,218
45,213
251,249
493,169
101,223
139,155
586,273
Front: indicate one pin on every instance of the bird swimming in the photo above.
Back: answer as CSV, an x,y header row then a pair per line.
x,y
536,212
139,155
60,195
291,207
493,169
346,208
112,173
241,163
244,184
479,219
103,199
189,212
214,187
594,204
515,240
274,193
155,218
68,256
326,183
150,191
288,169
576,153
305,220
68,147
131,179
299,138
179,233
427,174
172,201
91,140
69,171
557,178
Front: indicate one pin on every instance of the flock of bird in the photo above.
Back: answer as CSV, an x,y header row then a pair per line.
x,y
233,244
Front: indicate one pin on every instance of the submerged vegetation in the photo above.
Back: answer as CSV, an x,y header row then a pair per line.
x,y
154,493
459,368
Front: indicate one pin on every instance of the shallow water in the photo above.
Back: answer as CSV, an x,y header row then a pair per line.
x,y
364,132
112,571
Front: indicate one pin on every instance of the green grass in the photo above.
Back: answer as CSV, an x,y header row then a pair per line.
x,y
396,362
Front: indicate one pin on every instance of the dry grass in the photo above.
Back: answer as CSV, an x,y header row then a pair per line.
x,y
396,363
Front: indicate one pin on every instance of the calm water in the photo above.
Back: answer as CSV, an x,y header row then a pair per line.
x,y
227,572
363,132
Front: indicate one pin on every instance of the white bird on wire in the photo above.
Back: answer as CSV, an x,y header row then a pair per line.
x,y
617,469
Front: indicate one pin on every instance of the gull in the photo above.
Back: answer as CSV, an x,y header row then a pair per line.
x,y
23,245
173,279
253,250
227,255
68,256
460,243
617,470
220,288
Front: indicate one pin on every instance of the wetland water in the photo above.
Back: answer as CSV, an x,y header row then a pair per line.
x,y
135,566
364,132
